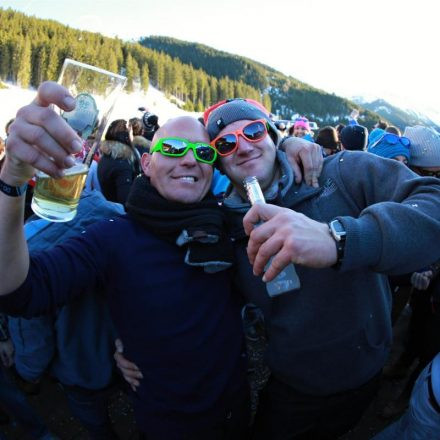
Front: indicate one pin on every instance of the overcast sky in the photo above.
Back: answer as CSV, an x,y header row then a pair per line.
x,y
385,48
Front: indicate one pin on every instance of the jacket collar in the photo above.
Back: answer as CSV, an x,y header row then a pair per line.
x,y
283,191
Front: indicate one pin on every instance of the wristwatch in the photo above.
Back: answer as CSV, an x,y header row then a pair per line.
x,y
338,233
12,191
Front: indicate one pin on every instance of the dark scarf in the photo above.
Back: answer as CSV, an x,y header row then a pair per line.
x,y
198,226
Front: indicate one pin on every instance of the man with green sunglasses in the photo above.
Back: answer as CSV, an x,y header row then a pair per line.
x,y
165,268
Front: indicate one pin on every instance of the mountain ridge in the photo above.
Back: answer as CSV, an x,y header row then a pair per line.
x,y
288,95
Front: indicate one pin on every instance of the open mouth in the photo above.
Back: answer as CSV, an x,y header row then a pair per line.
x,y
190,179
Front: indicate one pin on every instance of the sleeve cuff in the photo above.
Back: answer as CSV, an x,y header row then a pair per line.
x,y
363,246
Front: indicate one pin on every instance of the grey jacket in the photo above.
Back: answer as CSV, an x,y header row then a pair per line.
x,y
334,333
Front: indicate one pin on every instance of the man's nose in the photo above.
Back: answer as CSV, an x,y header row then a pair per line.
x,y
244,146
189,159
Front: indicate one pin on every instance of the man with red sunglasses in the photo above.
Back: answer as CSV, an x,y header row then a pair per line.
x,y
369,217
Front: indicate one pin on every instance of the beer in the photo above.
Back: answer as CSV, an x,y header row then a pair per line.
x,y
57,199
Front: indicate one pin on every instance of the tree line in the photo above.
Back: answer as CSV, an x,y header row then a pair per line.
x,y
288,95
32,50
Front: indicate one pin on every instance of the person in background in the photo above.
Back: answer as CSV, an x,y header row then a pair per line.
x,y
394,130
353,117
389,145
119,163
354,138
282,128
327,137
11,398
425,150
140,143
421,421
151,124
301,129
423,339
80,360
381,124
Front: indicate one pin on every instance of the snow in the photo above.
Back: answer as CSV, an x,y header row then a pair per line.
x,y
13,97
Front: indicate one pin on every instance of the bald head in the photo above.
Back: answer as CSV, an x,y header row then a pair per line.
x,y
185,127
181,178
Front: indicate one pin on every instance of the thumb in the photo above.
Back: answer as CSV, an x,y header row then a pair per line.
x,y
119,346
260,212
51,92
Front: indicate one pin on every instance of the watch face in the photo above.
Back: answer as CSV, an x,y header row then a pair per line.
x,y
338,227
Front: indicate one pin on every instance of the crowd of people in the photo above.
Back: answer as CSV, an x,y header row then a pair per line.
x,y
164,255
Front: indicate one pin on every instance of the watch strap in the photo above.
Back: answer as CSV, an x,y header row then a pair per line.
x,y
340,246
12,191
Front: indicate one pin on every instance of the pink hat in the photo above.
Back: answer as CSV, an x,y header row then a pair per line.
x,y
302,122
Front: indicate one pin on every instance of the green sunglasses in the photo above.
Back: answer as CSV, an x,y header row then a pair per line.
x,y
178,147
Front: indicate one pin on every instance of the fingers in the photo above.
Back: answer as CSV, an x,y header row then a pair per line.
x,y
297,172
40,138
287,237
309,156
312,160
264,241
35,146
258,213
129,370
45,119
51,92
119,346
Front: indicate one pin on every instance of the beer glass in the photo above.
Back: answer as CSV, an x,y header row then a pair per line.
x,y
95,92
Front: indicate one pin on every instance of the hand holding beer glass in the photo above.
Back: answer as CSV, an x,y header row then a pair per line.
x,y
95,92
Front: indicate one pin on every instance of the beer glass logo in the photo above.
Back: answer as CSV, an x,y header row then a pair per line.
x,y
84,116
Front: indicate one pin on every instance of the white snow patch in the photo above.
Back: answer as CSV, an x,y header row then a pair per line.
x,y
12,98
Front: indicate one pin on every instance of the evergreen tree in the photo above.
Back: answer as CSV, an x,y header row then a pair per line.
x,y
213,84
132,72
145,78
39,65
267,102
5,59
199,106
52,63
24,67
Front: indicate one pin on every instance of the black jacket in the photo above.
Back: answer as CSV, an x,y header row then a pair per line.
x,y
116,170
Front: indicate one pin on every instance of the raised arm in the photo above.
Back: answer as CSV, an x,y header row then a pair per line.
x,y
38,139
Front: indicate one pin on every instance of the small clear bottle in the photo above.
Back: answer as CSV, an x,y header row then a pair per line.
x,y
287,280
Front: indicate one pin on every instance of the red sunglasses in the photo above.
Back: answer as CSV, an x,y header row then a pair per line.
x,y
209,110
227,143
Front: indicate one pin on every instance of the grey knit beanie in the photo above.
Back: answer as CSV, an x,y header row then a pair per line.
x,y
238,110
425,146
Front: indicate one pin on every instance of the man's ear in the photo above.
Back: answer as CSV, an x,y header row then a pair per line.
x,y
146,163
